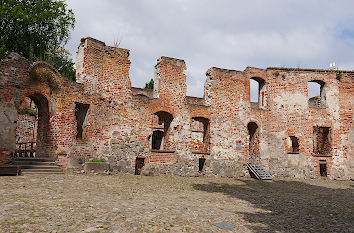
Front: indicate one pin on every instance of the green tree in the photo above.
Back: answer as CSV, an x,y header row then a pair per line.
x,y
150,85
38,30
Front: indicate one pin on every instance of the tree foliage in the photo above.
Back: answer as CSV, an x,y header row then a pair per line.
x,y
150,85
37,30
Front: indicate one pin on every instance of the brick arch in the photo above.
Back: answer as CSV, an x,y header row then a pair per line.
x,y
35,94
258,122
259,79
159,105
196,113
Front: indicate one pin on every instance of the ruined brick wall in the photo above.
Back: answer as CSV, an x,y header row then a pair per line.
x,y
26,130
123,123
290,114
12,72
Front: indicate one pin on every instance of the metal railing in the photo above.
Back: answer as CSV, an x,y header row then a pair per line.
x,y
25,149
254,160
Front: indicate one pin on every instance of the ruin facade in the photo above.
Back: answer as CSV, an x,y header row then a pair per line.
x,y
167,132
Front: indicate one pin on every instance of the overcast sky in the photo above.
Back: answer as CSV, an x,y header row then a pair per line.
x,y
230,34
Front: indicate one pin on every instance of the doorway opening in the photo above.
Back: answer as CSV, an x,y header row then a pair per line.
x,y
201,164
323,168
253,133
139,164
32,127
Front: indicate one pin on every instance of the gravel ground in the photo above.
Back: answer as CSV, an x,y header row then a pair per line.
x,y
128,203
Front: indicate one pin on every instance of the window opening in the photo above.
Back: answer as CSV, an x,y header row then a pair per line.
x,y
316,94
257,91
295,148
161,130
200,134
157,138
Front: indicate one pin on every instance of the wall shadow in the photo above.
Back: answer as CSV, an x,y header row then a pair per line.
x,y
291,206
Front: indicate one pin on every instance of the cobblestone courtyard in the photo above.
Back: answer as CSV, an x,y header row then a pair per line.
x,y
128,203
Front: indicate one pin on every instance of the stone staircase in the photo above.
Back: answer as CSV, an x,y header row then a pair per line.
x,y
36,165
256,168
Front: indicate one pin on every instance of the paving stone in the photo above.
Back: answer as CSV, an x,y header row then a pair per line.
x,y
176,204
224,225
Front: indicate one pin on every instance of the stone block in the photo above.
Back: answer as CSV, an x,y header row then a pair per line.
x,y
96,167
76,162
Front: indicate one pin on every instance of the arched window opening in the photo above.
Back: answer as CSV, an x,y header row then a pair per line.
x,y
32,127
316,94
161,131
200,134
257,92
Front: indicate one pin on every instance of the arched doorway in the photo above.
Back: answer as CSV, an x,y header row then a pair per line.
x,y
253,133
32,127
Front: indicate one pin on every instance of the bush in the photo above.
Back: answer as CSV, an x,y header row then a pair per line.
x,y
27,111
42,76
150,85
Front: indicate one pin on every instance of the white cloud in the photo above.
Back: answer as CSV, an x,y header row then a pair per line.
x,y
227,34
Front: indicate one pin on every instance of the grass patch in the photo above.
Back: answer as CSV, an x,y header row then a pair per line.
x,y
98,160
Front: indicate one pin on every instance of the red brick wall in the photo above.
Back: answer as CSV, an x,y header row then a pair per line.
x,y
119,122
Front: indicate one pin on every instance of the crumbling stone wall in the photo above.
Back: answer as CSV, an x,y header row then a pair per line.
x,y
120,121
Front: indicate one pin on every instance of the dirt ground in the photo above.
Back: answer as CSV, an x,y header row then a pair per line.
x,y
128,203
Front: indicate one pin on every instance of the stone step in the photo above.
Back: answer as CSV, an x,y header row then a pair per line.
x,y
24,163
42,171
38,159
39,167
